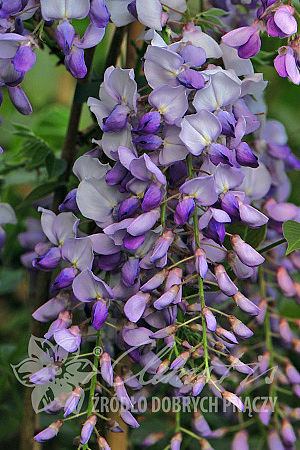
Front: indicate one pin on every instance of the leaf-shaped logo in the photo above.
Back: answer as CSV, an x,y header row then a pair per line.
x,y
69,374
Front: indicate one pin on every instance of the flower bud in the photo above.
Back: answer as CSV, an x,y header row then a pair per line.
x,y
106,368
239,365
234,399
69,339
49,432
274,441
167,298
153,438
287,432
296,345
176,441
128,418
87,429
103,445
226,285
165,332
99,314
240,441
204,444
210,319
240,269
285,282
227,335
200,425
72,401
262,311
245,304
122,393
285,331
198,385
292,373
264,362
265,413
163,366
245,252
180,360
239,328
200,262
45,374
114,427
162,245
155,281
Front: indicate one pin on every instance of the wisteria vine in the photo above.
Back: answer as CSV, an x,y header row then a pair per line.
x,y
170,248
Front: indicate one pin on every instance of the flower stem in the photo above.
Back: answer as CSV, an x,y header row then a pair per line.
x,y
200,281
93,382
274,244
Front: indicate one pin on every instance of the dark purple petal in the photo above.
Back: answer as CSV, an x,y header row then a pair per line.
x,y
152,197
191,79
99,15
245,156
149,123
75,63
19,100
148,141
183,211
49,261
117,120
99,314
65,35
24,59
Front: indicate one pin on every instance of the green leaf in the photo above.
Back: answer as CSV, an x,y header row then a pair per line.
x,y
55,166
291,231
34,149
214,12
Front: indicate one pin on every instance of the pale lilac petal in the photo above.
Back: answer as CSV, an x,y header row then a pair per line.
x,y
170,101
149,13
88,287
221,90
199,130
202,189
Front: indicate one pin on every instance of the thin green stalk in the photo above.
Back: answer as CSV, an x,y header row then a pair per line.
x,y
177,427
93,381
200,281
269,247
268,333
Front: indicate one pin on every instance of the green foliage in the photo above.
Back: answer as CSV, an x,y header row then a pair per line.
x,y
34,149
211,15
253,236
291,231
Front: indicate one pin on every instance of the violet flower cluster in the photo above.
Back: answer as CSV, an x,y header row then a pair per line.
x,y
18,41
176,266
278,20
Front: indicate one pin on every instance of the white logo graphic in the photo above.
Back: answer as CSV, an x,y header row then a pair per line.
x,y
70,372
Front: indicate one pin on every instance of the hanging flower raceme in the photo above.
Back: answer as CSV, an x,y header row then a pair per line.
x,y
170,267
